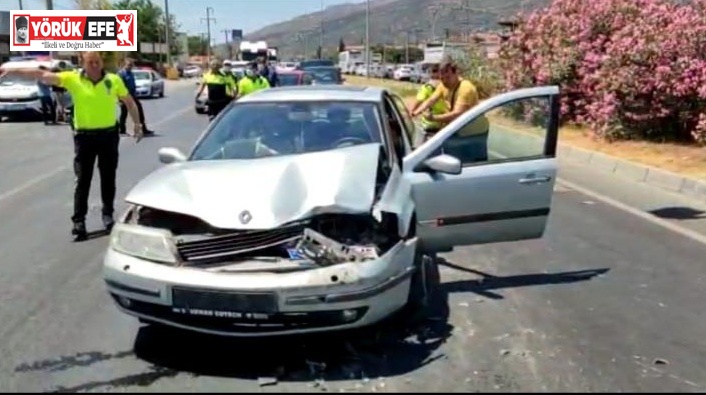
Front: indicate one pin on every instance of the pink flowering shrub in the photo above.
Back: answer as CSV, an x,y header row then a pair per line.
x,y
627,68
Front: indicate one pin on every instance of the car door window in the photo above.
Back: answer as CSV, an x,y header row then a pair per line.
x,y
514,131
406,119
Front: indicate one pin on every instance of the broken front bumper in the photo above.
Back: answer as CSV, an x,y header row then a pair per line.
x,y
343,296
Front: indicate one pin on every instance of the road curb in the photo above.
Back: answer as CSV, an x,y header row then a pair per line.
x,y
635,171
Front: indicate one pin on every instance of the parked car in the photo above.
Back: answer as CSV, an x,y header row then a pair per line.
x,y
148,83
295,77
200,103
325,75
402,73
305,64
19,96
192,72
318,213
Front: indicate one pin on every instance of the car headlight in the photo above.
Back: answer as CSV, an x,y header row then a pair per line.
x,y
34,95
142,242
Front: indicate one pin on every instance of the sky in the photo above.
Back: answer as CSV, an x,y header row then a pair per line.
x,y
248,15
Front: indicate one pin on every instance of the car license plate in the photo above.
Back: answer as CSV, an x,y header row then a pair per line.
x,y
15,106
223,304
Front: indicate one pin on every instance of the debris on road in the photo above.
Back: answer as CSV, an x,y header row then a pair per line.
x,y
505,352
660,361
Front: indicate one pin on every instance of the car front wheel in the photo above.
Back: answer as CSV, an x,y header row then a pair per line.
x,y
423,288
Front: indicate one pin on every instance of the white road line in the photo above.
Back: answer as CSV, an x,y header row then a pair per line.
x,y
696,236
40,179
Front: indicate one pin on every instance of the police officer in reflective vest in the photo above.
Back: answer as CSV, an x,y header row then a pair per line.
x,y
252,82
95,95
221,89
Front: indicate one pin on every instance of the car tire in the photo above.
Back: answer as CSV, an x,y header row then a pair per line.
x,y
161,93
423,287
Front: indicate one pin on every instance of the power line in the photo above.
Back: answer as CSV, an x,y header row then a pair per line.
x,y
227,32
208,20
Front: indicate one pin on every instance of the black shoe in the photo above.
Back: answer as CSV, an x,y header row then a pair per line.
x,y
148,132
79,231
108,222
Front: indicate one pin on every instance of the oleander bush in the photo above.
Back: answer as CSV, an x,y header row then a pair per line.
x,y
628,69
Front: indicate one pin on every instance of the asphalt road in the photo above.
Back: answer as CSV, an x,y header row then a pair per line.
x,y
606,301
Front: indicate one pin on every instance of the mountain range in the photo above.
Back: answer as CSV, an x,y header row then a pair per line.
x,y
392,22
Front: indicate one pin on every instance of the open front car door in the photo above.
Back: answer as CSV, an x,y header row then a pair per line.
x,y
489,175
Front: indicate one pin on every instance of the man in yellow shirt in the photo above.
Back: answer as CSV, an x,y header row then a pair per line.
x,y
252,82
470,144
95,94
221,89
438,108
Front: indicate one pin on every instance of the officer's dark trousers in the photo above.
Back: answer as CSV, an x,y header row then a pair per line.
x,y
89,146
215,108
124,112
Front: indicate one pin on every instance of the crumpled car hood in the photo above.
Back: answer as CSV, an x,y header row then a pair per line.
x,y
273,190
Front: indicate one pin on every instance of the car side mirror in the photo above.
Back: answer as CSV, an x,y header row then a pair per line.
x,y
169,155
443,164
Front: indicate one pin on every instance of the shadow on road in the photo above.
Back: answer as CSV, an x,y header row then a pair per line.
x,y
680,213
389,349
488,282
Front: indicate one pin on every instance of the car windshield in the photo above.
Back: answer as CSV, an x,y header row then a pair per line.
x,y
253,130
141,75
288,79
10,80
324,75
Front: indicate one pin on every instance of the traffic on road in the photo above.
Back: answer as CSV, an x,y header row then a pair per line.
x,y
318,236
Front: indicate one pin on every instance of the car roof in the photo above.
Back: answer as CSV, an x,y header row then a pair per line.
x,y
370,94
293,72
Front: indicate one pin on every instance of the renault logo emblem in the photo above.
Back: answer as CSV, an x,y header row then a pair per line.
x,y
245,217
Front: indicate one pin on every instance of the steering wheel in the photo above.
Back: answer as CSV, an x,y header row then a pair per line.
x,y
348,141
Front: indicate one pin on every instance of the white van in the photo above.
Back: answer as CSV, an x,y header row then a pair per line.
x,y
19,95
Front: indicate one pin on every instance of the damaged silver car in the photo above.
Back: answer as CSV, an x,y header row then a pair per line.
x,y
305,209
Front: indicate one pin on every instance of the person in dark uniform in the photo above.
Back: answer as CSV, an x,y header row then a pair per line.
x,y
47,100
95,94
129,80
221,89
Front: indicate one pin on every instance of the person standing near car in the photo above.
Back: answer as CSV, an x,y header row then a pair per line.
x,y
95,95
221,89
228,71
128,78
252,81
460,95
47,100
439,107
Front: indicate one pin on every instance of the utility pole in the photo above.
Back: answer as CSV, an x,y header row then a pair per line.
x,y
406,47
208,20
22,8
166,33
50,4
228,43
321,31
367,39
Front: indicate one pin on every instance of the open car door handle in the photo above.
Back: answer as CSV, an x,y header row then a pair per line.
x,y
534,180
